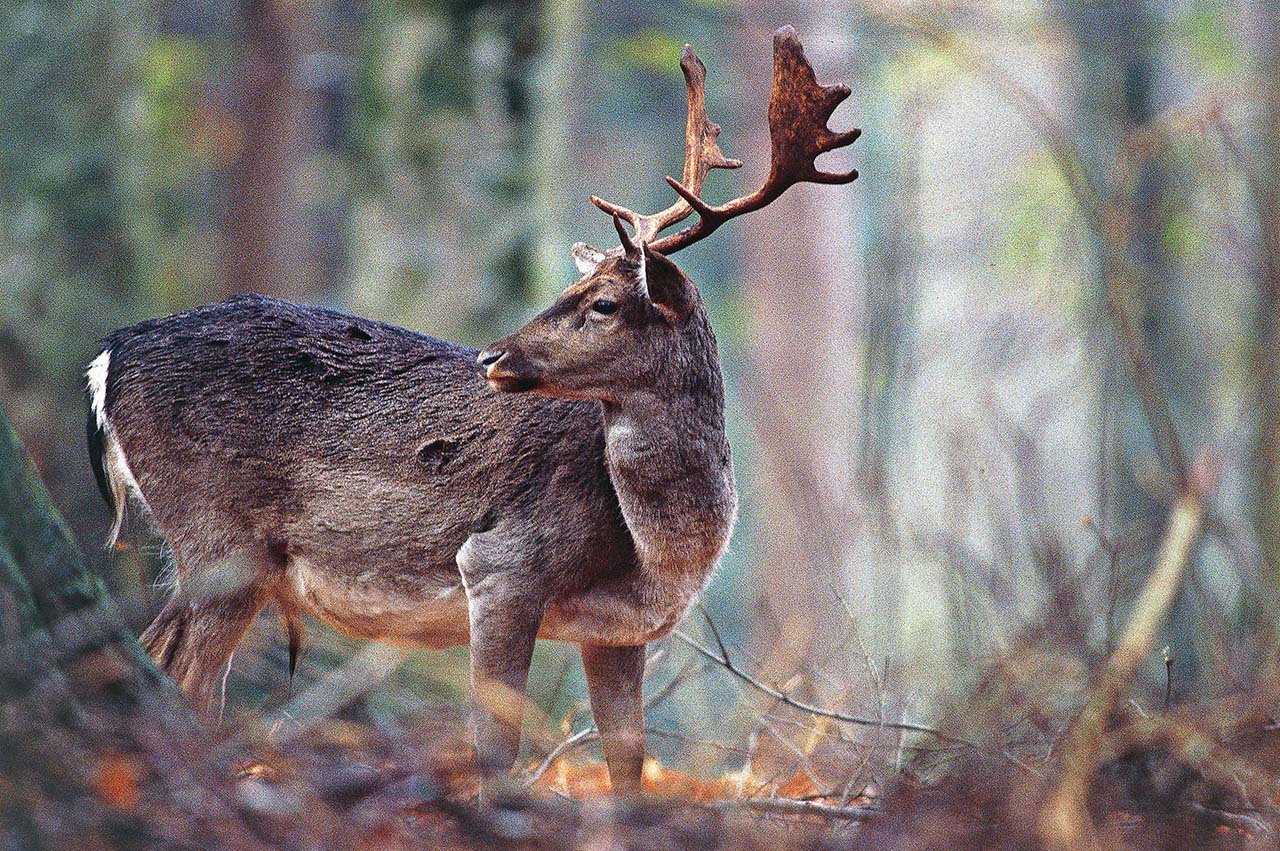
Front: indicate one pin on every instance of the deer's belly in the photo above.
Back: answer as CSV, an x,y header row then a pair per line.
x,y
365,605
435,615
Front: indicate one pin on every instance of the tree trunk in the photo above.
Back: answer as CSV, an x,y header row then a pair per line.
x,y
1267,358
89,729
266,227
552,155
1119,67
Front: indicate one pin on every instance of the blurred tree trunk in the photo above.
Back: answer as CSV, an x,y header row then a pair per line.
x,y
266,228
44,577
552,156
888,331
449,224
1267,363
1118,49
802,279
77,254
1116,67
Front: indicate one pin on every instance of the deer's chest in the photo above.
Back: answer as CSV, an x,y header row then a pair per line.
x,y
623,614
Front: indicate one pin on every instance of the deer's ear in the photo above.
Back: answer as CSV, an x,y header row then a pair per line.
x,y
668,288
586,258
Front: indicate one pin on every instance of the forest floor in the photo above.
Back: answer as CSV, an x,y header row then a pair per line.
x,y
344,785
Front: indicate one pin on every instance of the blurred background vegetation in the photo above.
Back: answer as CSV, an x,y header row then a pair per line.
x,y
942,456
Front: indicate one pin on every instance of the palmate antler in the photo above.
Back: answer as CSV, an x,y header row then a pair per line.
x,y
701,154
799,109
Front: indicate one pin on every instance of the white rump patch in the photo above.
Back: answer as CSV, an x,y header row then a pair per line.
x,y
120,478
96,375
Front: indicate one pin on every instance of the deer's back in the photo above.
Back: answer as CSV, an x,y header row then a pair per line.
x,y
365,452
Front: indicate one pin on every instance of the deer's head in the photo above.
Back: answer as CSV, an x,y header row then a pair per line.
x,y
607,334
633,312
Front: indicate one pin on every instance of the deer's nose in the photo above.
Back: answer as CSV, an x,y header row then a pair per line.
x,y
489,358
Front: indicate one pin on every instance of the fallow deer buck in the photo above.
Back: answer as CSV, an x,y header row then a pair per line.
x,y
575,485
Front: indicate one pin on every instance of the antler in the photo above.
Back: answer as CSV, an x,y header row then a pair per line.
x,y
799,109
701,154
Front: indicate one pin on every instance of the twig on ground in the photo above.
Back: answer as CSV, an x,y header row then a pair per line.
x,y
1243,821
695,740
802,761
590,734
876,682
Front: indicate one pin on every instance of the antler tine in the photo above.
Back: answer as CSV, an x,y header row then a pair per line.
x,y
701,154
799,109
630,248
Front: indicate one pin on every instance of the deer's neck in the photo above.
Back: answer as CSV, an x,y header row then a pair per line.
x,y
669,459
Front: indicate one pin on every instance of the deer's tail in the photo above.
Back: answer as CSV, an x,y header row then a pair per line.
x,y
110,467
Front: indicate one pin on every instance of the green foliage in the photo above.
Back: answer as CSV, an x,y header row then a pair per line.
x,y
64,226
1183,232
1038,227
443,133
170,72
1205,37
182,139
651,50
915,69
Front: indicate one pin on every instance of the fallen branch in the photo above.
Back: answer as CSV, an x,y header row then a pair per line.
x,y
590,734
793,806
1241,821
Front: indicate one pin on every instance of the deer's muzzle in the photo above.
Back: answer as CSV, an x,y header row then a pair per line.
x,y
507,371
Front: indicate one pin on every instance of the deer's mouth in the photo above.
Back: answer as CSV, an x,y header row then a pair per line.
x,y
508,382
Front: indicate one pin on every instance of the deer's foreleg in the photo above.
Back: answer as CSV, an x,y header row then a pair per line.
x,y
614,679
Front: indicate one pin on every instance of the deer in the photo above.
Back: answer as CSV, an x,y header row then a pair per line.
x,y
572,481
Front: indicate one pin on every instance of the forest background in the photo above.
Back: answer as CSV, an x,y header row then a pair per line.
x,y
948,463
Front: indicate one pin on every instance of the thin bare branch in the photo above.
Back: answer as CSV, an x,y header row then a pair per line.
x,y
590,734
785,698
714,631
1143,371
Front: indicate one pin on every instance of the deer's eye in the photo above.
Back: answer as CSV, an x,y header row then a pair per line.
x,y
604,306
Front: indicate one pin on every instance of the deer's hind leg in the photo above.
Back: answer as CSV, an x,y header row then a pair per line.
x,y
193,637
